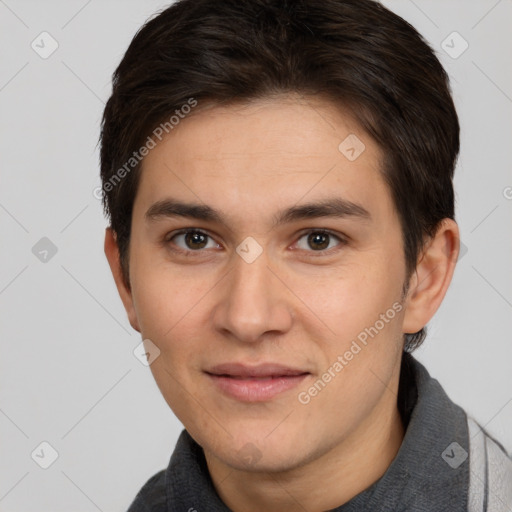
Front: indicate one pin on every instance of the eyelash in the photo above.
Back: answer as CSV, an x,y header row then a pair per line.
x,y
327,252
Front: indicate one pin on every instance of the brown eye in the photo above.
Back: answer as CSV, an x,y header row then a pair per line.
x,y
193,240
318,241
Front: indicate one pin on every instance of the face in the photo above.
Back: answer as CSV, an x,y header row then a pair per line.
x,y
266,266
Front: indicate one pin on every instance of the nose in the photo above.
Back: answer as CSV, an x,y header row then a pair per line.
x,y
253,302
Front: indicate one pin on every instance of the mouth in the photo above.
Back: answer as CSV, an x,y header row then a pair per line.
x,y
255,383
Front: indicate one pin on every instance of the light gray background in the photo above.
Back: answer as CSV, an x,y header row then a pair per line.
x,y
68,374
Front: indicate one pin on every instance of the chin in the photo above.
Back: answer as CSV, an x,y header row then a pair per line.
x,y
261,454
250,459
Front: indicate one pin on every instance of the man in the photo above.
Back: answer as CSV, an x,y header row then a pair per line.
x,y
278,178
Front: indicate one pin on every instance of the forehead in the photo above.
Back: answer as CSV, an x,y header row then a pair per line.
x,y
289,127
265,153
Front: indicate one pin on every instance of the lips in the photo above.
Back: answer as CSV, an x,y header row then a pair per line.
x,y
238,370
255,383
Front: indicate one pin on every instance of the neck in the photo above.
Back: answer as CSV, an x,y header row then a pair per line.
x,y
322,484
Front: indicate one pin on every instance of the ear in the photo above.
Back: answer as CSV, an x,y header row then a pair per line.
x,y
112,254
434,271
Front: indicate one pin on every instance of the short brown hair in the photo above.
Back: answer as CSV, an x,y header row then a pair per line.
x,y
355,53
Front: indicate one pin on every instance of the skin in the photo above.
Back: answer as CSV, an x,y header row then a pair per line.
x,y
296,304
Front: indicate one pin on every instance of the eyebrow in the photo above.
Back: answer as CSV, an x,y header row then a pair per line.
x,y
331,207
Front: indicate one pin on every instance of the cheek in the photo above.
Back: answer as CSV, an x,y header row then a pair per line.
x,y
359,313
349,299
171,312
162,299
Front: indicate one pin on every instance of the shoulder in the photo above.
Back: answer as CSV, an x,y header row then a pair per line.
x,y
152,496
490,471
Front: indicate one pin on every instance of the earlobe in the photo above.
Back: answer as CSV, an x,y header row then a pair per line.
x,y
430,281
112,254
